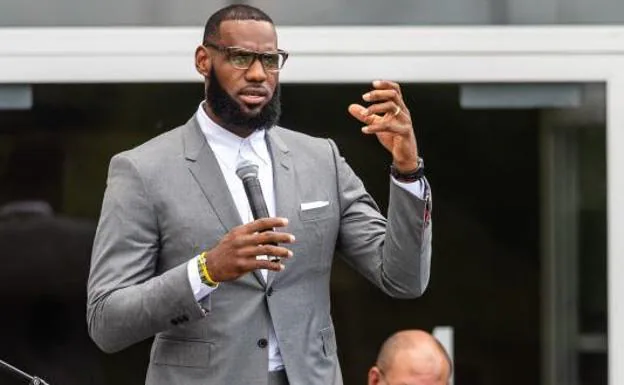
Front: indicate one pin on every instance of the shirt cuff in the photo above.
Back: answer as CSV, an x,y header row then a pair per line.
x,y
415,188
200,290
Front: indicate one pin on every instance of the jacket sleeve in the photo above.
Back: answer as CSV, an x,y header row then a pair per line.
x,y
392,253
127,301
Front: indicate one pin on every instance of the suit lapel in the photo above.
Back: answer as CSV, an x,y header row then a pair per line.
x,y
205,169
283,182
204,166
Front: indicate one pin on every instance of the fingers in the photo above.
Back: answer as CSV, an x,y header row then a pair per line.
x,y
272,237
387,108
385,90
386,102
386,99
254,258
250,246
378,116
269,265
263,238
251,252
263,224
387,85
381,95
239,251
385,127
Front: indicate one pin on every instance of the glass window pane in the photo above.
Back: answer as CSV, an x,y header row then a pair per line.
x,y
484,168
593,231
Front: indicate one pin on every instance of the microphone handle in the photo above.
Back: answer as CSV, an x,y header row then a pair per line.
x,y
258,206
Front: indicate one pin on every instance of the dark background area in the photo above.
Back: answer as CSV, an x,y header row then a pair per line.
x,y
483,166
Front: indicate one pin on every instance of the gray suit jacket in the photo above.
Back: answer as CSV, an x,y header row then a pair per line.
x,y
167,200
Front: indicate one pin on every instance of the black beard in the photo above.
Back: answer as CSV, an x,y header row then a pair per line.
x,y
231,113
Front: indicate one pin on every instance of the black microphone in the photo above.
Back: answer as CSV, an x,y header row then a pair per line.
x,y
248,173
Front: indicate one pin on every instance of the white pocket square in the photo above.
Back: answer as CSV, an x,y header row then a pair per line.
x,y
313,205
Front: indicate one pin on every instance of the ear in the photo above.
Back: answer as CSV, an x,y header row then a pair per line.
x,y
374,376
203,61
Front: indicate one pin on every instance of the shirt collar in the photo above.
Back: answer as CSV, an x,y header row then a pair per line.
x,y
226,144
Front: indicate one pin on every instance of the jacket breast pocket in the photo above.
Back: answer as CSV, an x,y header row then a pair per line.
x,y
314,211
187,353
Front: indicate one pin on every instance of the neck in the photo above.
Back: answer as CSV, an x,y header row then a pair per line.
x,y
240,131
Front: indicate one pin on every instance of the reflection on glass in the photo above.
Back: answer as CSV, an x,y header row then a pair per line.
x,y
574,237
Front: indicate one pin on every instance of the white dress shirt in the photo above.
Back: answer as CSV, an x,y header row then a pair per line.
x,y
229,149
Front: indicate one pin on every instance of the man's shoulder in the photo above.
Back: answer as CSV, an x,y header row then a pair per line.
x,y
158,149
299,140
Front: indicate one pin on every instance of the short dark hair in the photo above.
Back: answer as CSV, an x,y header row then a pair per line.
x,y
232,12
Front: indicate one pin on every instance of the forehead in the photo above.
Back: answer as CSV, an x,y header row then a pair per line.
x,y
412,378
251,34
413,369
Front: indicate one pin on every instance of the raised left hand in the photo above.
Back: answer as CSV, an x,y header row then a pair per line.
x,y
388,118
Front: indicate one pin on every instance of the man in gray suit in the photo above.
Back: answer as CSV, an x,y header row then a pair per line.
x,y
178,256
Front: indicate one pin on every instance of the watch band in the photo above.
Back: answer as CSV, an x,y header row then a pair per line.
x,y
411,176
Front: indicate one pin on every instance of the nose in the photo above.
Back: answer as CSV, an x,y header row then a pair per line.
x,y
255,72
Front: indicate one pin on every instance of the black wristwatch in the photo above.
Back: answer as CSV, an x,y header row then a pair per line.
x,y
411,176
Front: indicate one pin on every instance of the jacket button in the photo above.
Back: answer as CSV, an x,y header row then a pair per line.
x,y
174,322
269,292
262,343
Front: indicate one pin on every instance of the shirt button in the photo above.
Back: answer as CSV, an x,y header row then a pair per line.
x,y
262,343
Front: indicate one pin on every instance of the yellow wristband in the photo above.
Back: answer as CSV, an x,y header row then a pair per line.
x,y
205,276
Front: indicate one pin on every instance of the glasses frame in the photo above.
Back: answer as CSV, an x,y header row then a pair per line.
x,y
228,52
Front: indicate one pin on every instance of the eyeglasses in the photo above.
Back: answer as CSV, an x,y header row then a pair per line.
x,y
242,58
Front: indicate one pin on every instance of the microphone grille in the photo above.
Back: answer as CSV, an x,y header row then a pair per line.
x,y
246,169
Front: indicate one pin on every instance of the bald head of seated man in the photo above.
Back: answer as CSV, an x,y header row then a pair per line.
x,y
411,357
